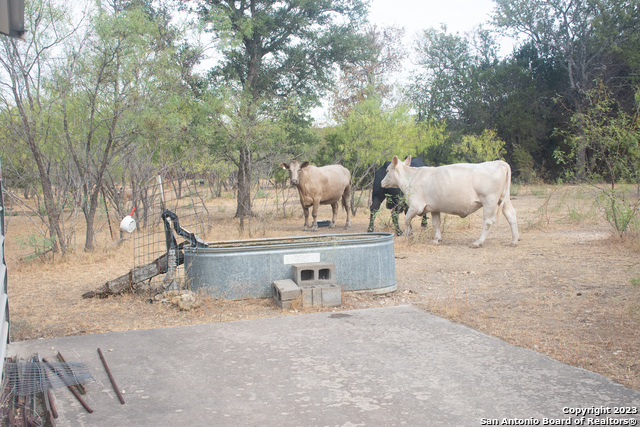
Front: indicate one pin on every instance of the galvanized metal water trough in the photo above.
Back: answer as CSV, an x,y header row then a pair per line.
x,y
247,268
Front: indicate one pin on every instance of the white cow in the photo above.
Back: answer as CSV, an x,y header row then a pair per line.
x,y
459,189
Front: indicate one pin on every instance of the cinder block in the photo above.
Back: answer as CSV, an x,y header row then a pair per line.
x,y
332,296
285,291
321,295
314,273
308,294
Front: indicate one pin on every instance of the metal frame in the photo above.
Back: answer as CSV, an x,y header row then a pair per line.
x,y
4,298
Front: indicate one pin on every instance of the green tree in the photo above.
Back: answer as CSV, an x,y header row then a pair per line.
x,y
576,35
440,86
27,110
370,76
372,134
482,148
611,139
118,90
369,135
277,57
460,83
524,111
609,135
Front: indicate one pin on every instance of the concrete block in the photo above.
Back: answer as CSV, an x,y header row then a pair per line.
x,y
321,295
332,296
285,291
314,273
307,295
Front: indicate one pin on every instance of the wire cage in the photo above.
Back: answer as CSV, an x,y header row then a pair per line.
x,y
185,198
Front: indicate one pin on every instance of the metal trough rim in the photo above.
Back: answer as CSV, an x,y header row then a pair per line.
x,y
289,241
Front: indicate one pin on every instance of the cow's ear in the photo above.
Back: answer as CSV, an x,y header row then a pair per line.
x,y
407,161
304,165
395,161
284,166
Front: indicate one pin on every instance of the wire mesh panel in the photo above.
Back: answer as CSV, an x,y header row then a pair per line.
x,y
35,377
184,197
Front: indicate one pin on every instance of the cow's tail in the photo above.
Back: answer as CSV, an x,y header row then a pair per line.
x,y
506,189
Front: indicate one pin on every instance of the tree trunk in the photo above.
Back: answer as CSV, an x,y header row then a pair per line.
x,y
29,131
244,184
90,216
58,244
134,276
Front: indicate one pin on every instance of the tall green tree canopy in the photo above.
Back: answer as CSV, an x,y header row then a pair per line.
x,y
438,86
581,37
280,49
276,56
371,76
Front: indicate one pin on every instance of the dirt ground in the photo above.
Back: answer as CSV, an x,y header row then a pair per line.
x,y
570,289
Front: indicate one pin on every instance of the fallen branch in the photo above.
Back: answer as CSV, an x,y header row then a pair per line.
x,y
134,276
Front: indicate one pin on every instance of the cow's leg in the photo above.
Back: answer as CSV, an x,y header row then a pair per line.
x,y
372,220
510,213
394,217
407,221
374,208
489,218
346,202
435,219
314,214
306,218
334,208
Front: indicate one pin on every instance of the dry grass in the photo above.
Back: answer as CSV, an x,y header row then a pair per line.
x,y
569,290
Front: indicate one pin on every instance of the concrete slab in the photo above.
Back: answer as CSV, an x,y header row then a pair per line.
x,y
393,366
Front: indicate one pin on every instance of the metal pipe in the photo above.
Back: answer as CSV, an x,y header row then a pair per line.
x,y
52,405
71,388
79,386
113,382
48,397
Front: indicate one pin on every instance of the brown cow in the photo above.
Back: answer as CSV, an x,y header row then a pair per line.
x,y
317,186
125,193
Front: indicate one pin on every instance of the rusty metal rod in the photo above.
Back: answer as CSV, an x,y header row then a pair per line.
x,y
52,406
79,386
73,390
31,409
48,398
25,402
31,405
14,399
113,382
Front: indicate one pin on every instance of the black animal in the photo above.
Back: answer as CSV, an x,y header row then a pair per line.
x,y
394,196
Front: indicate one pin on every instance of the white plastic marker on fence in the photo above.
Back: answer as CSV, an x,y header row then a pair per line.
x,y
128,224
159,181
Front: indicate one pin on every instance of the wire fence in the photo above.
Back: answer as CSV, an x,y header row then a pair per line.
x,y
185,198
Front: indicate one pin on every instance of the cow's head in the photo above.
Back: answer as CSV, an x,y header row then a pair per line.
x,y
392,178
294,169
